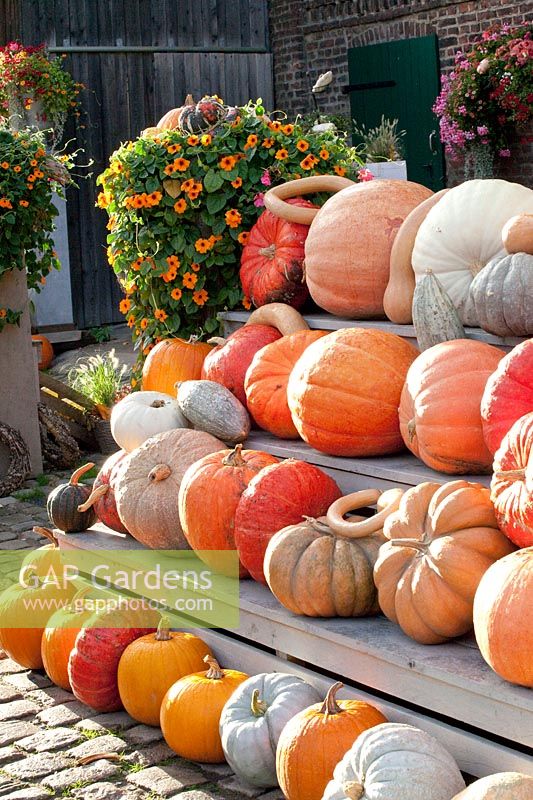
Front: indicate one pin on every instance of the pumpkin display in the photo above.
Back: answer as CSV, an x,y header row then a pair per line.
x,y
500,786
279,495
46,355
440,418
456,251
203,116
326,570
93,662
212,408
151,664
171,361
102,497
59,638
517,234
252,721
266,382
344,392
42,558
209,494
228,362
512,482
194,704
140,415
148,485
398,298
315,740
508,394
272,260
435,317
279,315
499,298
503,617
393,761
276,199
442,540
63,501
170,119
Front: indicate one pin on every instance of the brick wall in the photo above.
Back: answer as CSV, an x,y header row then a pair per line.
x,y
311,36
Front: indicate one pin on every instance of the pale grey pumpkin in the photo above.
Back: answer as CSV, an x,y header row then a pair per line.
x,y
500,786
212,408
500,298
395,762
252,721
435,317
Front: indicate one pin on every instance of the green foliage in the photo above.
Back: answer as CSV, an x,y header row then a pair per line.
x,y
100,334
382,143
99,378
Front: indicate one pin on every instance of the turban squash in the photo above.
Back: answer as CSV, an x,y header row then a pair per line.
x,y
173,360
345,389
512,482
442,539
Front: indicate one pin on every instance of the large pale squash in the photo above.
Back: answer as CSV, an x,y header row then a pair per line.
x,y
501,786
500,298
462,233
434,315
140,415
210,407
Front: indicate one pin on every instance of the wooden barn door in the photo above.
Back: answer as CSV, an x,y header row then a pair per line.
x,y
401,81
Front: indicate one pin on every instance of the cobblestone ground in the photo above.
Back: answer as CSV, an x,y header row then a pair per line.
x,y
47,736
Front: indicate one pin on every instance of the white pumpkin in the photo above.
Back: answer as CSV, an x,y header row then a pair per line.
x,y
462,232
252,721
500,786
140,415
395,762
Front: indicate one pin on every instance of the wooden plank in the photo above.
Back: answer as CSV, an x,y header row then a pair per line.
x,y
70,412
62,390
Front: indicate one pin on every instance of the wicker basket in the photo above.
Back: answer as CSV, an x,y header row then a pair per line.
x,y
102,433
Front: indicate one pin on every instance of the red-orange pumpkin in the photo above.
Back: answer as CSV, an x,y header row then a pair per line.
x,y
227,363
171,361
512,482
266,382
440,416
272,261
278,496
508,394
102,497
344,392
209,494
47,351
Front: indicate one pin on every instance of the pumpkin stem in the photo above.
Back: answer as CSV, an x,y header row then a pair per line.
x,y
77,474
319,524
352,790
268,252
511,473
158,404
217,340
162,633
258,707
330,705
95,495
357,527
192,339
159,473
48,533
214,672
416,544
411,429
234,459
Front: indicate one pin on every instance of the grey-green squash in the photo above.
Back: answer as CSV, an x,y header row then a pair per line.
x,y
435,317
500,296
212,408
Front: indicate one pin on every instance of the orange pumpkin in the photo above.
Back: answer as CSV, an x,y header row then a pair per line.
x,y
315,740
47,351
210,492
151,664
440,416
170,120
59,638
267,378
344,392
191,709
173,360
503,617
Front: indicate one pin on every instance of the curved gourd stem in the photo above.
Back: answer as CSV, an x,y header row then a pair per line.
x,y
320,525
330,705
48,533
79,473
353,790
214,672
415,544
279,315
162,633
95,495
217,340
258,707
275,198
511,473
159,473
234,459
388,502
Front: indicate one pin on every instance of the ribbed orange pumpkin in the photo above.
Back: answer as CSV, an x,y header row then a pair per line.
x,y
347,251
191,709
512,482
151,664
173,360
209,495
440,417
170,120
59,638
47,351
266,382
315,740
344,392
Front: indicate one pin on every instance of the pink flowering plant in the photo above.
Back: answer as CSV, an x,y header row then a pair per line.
x,y
488,96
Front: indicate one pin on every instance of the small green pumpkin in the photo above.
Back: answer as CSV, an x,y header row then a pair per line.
x,y
435,317
63,502
212,408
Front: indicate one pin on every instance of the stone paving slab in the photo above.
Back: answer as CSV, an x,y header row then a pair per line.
x,y
167,780
63,714
90,773
9,754
28,681
50,696
198,794
143,734
28,793
38,766
115,720
106,791
8,693
13,730
8,784
18,709
151,755
8,667
101,744
52,739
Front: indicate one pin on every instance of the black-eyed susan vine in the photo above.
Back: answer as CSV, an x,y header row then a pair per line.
x,y
181,206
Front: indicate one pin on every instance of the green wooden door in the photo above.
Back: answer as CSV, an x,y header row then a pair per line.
x,y
401,80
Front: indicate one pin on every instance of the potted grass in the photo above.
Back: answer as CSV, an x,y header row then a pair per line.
x,y
381,148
